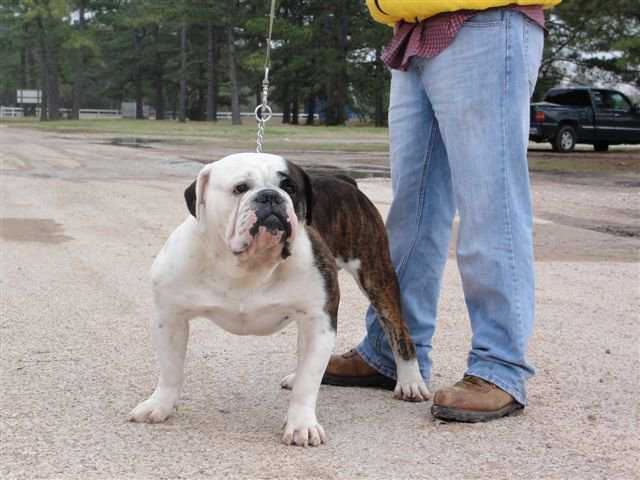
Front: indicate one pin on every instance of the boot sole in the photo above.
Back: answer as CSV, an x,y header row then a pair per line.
x,y
372,381
469,416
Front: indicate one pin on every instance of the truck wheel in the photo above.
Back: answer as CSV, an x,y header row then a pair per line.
x,y
565,140
601,147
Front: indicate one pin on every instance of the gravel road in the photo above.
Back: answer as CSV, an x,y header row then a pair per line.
x,y
80,224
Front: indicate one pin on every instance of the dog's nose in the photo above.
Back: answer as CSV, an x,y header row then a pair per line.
x,y
269,196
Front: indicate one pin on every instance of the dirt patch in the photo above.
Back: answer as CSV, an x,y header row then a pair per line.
x,y
617,230
41,230
620,162
355,171
133,142
630,230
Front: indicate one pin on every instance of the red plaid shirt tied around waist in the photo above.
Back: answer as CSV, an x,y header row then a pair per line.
x,y
431,36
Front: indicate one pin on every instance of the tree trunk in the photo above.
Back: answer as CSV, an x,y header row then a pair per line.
x,y
379,87
24,75
336,113
311,110
80,65
175,94
336,109
42,81
159,92
233,79
286,105
49,60
137,44
197,109
27,62
295,110
182,117
158,81
212,76
44,112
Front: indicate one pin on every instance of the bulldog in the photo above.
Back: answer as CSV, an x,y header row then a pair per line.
x,y
261,249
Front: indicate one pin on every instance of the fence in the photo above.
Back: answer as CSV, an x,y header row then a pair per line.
x,y
85,113
90,113
10,112
225,115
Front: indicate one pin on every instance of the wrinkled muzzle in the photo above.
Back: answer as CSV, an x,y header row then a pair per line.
x,y
264,224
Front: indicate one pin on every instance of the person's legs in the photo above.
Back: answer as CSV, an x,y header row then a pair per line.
x,y
480,89
419,220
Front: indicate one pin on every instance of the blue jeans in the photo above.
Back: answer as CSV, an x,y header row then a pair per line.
x,y
459,129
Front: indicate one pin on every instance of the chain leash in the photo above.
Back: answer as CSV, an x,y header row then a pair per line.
x,y
263,111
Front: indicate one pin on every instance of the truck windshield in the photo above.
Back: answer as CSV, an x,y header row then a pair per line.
x,y
575,98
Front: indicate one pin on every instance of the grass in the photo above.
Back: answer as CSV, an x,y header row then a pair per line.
x,y
355,138
221,129
277,136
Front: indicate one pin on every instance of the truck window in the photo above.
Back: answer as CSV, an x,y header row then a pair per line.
x,y
615,101
576,98
598,100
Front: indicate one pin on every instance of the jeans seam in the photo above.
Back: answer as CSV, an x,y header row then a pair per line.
x,y
492,24
527,57
507,190
421,195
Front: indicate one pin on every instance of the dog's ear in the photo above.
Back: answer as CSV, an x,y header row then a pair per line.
x,y
304,201
195,194
309,198
190,198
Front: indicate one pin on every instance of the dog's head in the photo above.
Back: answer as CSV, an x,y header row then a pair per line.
x,y
253,201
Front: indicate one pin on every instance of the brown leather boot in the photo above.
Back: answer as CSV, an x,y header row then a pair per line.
x,y
350,370
472,400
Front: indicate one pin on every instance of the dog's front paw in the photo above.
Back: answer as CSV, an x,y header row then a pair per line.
x,y
287,382
303,430
410,385
412,391
151,411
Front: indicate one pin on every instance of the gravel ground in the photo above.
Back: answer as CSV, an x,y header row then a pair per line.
x,y
80,225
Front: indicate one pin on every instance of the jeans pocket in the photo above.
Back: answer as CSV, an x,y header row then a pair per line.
x,y
488,19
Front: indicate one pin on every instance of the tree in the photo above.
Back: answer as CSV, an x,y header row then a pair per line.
x,y
197,56
81,43
183,72
590,43
212,74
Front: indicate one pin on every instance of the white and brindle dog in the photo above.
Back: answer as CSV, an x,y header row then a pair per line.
x,y
260,250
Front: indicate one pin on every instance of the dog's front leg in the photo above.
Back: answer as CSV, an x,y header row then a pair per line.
x,y
288,381
170,333
317,338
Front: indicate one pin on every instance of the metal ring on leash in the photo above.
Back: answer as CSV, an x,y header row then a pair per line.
x,y
260,113
263,111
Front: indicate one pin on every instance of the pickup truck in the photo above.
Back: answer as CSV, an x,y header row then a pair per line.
x,y
595,116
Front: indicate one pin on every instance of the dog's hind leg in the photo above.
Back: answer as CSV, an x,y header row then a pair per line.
x,y
377,279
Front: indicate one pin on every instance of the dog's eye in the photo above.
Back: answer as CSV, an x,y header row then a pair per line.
x,y
288,187
241,188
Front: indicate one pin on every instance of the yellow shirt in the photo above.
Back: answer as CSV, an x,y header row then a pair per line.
x,y
392,11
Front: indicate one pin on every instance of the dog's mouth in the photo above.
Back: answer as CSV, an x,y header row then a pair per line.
x,y
270,230
274,222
